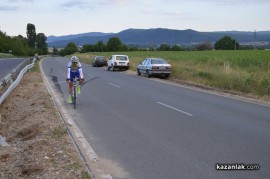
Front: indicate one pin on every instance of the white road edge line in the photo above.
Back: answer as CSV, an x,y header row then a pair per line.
x,y
114,85
175,109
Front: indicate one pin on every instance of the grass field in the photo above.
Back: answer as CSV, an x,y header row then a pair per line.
x,y
246,71
5,55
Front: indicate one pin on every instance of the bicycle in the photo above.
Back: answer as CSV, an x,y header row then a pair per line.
x,y
74,91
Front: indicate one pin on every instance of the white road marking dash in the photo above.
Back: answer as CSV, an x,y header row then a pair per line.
x,y
114,85
175,109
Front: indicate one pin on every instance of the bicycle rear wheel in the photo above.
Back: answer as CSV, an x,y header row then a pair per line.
x,y
74,97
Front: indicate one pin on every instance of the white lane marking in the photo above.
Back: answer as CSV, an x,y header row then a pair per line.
x,y
114,85
175,109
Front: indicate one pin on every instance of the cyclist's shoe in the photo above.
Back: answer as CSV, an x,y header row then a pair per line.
x,y
78,89
69,99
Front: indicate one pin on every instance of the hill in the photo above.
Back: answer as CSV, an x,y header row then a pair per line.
x,y
53,38
153,37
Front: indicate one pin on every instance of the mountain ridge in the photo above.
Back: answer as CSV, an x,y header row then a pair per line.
x,y
53,38
157,36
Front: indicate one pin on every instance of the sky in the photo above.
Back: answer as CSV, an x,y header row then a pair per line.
x,y
65,17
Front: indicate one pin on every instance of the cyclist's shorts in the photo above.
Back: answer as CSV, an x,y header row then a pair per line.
x,y
73,75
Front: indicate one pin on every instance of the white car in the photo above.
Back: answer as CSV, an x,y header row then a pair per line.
x,y
118,62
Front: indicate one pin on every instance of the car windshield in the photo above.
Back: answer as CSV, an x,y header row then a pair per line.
x,y
158,61
122,58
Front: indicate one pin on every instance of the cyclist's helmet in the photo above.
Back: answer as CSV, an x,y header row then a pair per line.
x,y
74,59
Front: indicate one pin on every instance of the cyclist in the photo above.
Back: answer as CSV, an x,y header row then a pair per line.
x,y
74,70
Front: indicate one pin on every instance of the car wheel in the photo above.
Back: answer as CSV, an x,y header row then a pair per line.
x,y
147,74
113,69
138,72
108,68
167,76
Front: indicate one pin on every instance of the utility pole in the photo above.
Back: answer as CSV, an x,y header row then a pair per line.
x,y
254,43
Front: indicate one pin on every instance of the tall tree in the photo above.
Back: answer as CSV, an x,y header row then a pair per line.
x,y
55,51
204,46
18,46
31,35
114,44
164,47
3,42
226,43
87,48
100,47
41,44
69,49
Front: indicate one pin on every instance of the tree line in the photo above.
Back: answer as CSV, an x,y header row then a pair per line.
x,y
115,44
24,46
36,43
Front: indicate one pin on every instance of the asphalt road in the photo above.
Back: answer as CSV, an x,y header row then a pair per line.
x,y
154,130
8,64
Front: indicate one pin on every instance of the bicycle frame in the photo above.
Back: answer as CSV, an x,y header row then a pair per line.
x,y
74,92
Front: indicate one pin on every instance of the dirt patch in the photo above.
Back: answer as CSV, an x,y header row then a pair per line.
x,y
38,144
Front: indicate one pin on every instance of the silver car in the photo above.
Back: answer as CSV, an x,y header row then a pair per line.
x,y
154,67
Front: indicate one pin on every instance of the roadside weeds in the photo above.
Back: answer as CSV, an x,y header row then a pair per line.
x,y
38,144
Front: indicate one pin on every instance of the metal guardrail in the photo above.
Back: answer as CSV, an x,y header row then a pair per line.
x,y
5,80
14,75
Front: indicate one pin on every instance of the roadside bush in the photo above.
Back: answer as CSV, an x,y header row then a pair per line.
x,y
264,87
205,75
249,83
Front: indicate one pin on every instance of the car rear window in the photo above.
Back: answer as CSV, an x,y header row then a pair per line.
x,y
101,58
122,58
158,61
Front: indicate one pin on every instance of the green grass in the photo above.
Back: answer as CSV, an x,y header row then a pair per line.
x,y
35,67
85,175
6,55
246,71
59,132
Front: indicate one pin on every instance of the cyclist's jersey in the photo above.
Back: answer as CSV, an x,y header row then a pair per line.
x,y
74,70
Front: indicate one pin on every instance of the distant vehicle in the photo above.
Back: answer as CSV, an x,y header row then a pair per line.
x,y
118,62
154,67
99,61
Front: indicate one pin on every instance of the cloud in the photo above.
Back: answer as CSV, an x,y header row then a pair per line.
x,y
115,2
236,2
118,2
22,1
75,4
163,12
8,8
239,2
12,7
221,2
